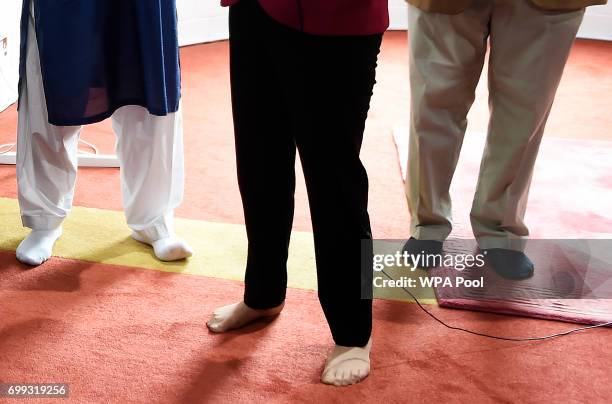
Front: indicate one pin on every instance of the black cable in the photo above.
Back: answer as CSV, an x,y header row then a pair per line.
x,y
561,334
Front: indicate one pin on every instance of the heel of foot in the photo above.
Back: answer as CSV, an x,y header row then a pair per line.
x,y
138,237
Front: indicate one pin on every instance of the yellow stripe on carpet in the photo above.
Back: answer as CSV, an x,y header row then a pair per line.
x,y
102,236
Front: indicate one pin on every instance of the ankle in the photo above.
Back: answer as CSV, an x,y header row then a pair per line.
x,y
268,311
54,231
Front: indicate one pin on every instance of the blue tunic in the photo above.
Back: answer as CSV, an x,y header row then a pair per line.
x,y
99,55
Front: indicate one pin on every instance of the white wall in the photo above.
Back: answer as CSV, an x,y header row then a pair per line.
x,y
399,14
597,21
201,21
10,11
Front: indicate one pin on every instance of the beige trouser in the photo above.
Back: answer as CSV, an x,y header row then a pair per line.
x,y
528,51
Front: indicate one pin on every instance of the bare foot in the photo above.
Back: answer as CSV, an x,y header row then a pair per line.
x,y
238,315
347,365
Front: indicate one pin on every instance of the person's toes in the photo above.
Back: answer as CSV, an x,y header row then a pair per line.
x,y
213,325
329,376
347,366
32,261
172,249
340,378
166,249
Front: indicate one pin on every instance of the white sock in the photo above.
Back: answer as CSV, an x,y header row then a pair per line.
x,y
347,365
37,247
169,248
237,315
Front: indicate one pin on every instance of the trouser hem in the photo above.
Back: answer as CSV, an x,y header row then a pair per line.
x,y
353,343
42,222
437,233
517,244
159,229
258,304
353,340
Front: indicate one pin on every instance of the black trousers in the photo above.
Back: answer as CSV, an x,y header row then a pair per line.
x,y
293,90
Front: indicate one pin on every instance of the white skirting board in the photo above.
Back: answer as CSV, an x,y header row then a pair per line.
x,y
85,160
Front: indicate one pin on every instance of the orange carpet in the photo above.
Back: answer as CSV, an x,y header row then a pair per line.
x,y
123,335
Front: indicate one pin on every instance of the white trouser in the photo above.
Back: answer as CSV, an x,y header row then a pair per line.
x,y
150,151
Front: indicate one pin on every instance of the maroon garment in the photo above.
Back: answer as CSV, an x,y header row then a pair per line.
x,y
328,17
